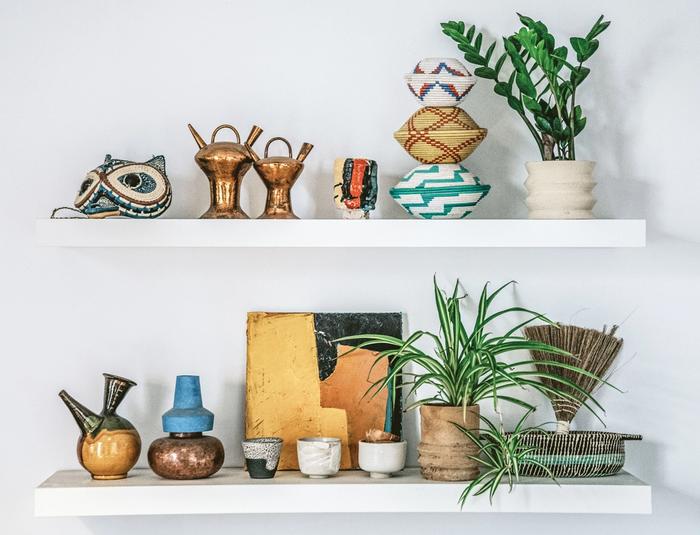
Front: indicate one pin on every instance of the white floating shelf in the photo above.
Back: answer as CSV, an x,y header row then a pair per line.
x,y
341,233
73,493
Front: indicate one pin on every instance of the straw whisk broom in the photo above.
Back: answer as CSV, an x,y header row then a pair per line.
x,y
591,350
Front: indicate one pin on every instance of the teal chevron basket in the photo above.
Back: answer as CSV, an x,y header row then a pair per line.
x,y
439,191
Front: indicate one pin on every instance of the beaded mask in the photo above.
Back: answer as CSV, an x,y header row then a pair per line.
x,y
125,188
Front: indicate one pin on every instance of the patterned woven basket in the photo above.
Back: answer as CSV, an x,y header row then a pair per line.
x,y
576,454
440,135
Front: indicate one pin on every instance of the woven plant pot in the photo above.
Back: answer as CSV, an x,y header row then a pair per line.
x,y
440,135
443,450
576,454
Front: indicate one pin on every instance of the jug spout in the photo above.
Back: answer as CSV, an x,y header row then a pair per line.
x,y
197,138
304,152
87,420
254,135
115,389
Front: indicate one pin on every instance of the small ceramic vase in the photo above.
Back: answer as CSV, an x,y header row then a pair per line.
x,y
262,455
439,191
109,446
319,457
355,187
440,82
186,453
382,459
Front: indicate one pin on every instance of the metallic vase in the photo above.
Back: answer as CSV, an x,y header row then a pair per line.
x,y
279,173
225,163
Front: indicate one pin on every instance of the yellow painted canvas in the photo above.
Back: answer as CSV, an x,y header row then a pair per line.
x,y
296,386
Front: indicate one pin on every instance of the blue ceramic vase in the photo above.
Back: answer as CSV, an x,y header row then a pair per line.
x,y
187,453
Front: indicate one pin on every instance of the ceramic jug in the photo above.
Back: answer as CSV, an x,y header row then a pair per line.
x,y
225,163
279,173
109,445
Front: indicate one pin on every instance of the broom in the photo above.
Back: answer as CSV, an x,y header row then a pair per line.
x,y
591,350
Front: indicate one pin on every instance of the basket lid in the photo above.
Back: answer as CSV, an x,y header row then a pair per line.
x,y
441,66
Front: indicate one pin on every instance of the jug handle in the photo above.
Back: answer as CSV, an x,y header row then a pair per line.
x,y
289,147
223,126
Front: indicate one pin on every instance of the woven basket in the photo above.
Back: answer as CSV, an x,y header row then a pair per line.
x,y
576,454
440,135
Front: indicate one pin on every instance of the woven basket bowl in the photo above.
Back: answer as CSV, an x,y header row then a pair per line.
x,y
440,135
576,454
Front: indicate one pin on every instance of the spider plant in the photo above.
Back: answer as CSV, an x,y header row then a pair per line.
x,y
502,455
466,367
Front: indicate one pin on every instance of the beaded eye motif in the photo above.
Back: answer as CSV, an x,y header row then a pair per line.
x,y
125,188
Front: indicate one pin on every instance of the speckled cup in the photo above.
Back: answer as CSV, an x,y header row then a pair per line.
x,y
262,455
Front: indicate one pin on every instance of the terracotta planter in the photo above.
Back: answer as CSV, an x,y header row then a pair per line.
x,y
443,451
560,189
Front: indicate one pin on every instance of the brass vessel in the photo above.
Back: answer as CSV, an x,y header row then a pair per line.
x,y
225,163
279,173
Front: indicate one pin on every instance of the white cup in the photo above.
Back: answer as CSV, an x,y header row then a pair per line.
x,y
319,457
381,459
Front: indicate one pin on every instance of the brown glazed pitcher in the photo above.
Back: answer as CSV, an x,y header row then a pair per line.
x,y
225,163
279,173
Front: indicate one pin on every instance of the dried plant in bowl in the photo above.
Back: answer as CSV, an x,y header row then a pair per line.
x,y
377,436
566,453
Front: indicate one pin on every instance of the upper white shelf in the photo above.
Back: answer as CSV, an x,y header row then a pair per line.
x,y
341,233
73,493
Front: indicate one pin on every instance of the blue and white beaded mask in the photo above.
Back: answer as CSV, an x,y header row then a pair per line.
x,y
121,187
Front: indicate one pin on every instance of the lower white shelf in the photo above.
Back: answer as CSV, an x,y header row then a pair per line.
x,y
73,493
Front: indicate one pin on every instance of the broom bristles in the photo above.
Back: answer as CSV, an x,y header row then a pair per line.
x,y
592,350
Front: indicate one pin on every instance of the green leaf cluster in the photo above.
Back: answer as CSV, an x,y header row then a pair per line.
x,y
541,83
502,455
466,365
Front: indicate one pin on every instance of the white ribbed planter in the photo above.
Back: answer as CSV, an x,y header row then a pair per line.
x,y
560,189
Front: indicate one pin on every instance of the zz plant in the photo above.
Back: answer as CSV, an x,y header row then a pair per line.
x,y
543,84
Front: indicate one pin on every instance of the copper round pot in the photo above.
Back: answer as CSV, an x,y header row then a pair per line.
x,y
186,456
443,452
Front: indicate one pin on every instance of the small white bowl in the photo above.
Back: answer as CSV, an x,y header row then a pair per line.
x,y
382,459
319,457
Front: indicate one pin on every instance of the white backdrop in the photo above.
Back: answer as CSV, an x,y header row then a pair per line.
x,y
83,78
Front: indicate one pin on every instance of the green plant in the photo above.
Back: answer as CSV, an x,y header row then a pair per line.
x,y
466,367
542,87
502,455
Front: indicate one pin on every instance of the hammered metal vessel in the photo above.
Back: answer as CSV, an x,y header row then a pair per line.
x,y
279,173
225,163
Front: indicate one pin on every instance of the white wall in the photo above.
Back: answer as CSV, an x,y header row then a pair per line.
x,y
86,77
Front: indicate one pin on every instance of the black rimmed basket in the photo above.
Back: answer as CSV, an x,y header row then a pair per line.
x,y
575,454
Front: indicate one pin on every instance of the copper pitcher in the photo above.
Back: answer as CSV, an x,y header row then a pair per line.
x,y
225,163
279,173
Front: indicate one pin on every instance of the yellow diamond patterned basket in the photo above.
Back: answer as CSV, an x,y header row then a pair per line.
x,y
440,135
